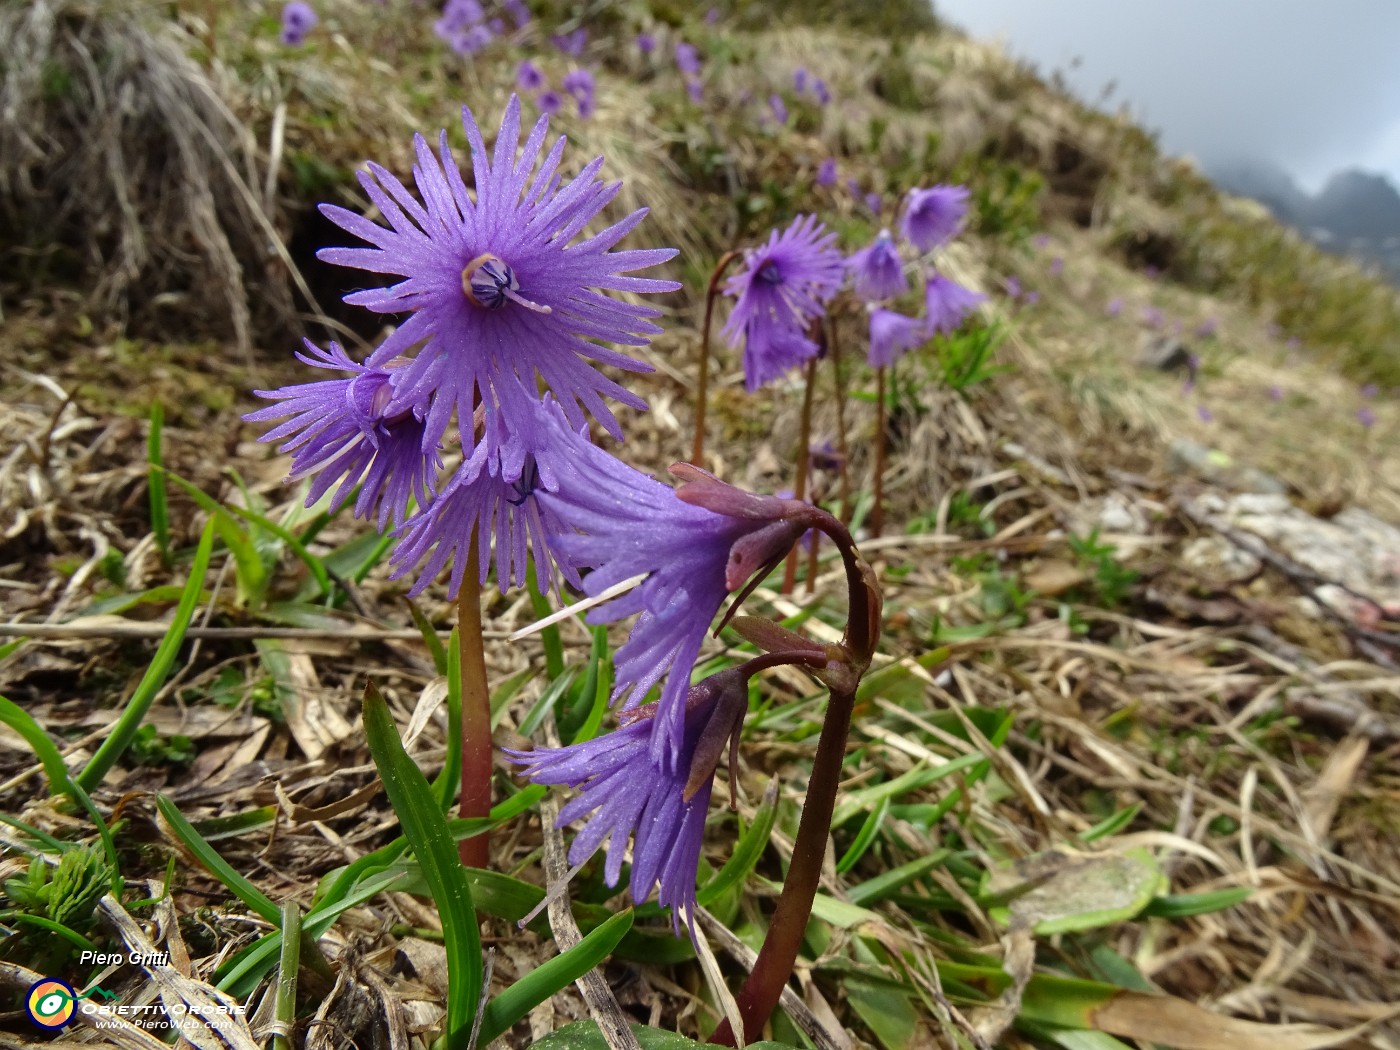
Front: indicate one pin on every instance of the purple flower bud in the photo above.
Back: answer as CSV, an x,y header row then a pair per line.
x,y
687,59
298,19
646,43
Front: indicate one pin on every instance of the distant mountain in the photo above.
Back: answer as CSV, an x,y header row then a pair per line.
x,y
1355,214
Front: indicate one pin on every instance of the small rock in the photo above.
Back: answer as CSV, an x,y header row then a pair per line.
x,y
1165,353
1218,561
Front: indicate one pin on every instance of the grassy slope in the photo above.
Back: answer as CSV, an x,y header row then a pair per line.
x,y
1169,703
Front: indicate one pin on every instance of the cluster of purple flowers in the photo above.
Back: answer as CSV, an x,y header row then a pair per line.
x,y
502,291
578,85
298,19
802,82
689,65
464,26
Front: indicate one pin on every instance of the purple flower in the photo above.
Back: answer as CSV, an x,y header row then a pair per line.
x,y
1207,328
712,16
471,41
1369,391
1275,393
481,502
819,89
826,173
781,289
529,77
661,807
1013,287
1204,414
853,184
799,80
1040,241
1114,308
572,44
1031,298
947,303
877,272
695,545
695,89
873,202
351,429
646,43
497,294
1057,266
298,19
779,108
687,59
458,16
1366,416
579,82
892,335
519,12
1152,317
933,216
550,102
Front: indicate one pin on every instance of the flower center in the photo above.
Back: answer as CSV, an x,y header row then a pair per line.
x,y
488,282
769,272
526,484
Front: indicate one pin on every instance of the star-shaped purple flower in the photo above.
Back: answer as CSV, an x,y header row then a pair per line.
x,y
933,216
783,287
498,292
352,430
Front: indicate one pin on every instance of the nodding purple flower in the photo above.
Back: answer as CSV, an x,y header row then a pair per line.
x,y
485,504
458,16
947,304
646,43
778,107
1275,393
579,82
799,80
550,102
572,44
853,185
1031,298
825,456
695,89
1207,328
1012,284
826,173
1114,308
1204,414
874,203
781,290
497,291
877,272
473,40
1366,416
687,59
712,16
519,12
355,431
529,77
933,216
892,335
298,19
627,794
695,545
819,89
1369,391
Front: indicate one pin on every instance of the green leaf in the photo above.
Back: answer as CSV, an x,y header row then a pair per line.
x,y
864,837
20,721
550,977
431,641
250,571
746,853
240,887
124,729
887,882
584,1035
550,638
886,1011
1113,824
312,563
1086,891
155,483
426,830
1181,905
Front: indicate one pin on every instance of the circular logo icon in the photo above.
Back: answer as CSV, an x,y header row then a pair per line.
x,y
51,1003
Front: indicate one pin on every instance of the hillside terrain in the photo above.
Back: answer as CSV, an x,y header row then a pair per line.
x,y
1124,768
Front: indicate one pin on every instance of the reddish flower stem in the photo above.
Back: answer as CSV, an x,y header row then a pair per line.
x,y
703,389
877,513
476,713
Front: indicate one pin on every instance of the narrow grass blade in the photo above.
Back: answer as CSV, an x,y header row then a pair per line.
x,y
445,787
864,837
287,975
124,729
236,884
313,564
549,977
872,890
43,838
18,719
431,641
155,483
746,853
250,570
426,830
73,937
1182,905
549,636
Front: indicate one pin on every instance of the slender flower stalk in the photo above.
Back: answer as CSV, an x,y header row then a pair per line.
x,y
833,350
475,798
697,453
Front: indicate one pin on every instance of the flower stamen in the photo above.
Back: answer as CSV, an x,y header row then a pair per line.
x,y
488,281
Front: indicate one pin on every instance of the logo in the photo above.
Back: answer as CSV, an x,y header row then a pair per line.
x,y
51,1003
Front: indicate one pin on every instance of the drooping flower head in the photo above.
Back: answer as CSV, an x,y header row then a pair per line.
x,y
550,102
799,80
572,44
778,108
298,19
694,545
519,12
877,272
826,173
458,18
687,59
529,77
933,216
579,84
355,431
819,89
646,43
783,287
947,304
662,808
499,295
892,335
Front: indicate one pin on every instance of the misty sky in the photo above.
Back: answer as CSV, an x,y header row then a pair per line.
x,y
1312,85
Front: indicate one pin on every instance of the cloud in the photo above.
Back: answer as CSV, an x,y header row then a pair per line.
x,y
1311,85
